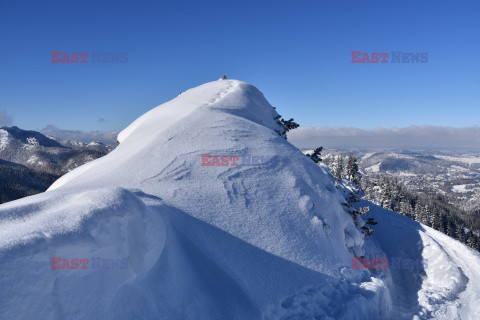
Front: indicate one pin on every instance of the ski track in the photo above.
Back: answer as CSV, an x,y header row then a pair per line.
x,y
445,288
468,289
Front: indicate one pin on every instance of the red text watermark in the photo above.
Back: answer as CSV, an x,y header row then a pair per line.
x,y
209,160
393,263
392,57
98,263
85,57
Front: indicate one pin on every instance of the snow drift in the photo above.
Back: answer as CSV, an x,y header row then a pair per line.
x,y
169,238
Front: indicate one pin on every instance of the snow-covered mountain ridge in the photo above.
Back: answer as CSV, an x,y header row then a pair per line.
x,y
46,154
207,242
30,161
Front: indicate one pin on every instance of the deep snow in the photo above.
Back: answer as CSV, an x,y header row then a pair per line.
x,y
261,241
446,286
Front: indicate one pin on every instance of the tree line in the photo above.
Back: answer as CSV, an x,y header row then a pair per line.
x,y
18,182
430,209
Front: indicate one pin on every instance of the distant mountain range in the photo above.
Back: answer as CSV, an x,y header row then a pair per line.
x,y
452,174
31,161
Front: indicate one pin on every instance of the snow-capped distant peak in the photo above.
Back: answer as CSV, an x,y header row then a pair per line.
x,y
3,139
46,154
31,137
95,143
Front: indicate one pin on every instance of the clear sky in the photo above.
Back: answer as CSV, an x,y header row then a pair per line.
x,y
298,53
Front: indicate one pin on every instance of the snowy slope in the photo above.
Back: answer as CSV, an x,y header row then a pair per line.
x,y
270,206
179,240
445,285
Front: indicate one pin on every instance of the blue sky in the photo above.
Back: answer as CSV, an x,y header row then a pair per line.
x,y
298,53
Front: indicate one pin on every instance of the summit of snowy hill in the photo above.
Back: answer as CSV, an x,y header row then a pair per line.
x,y
285,204
203,211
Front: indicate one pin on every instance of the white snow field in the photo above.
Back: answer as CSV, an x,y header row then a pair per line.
x,y
446,286
181,240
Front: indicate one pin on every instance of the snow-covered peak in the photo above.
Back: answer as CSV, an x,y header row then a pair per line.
x,y
216,215
272,205
227,96
95,143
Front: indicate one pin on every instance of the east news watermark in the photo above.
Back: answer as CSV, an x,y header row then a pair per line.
x,y
89,57
209,160
394,263
389,57
97,263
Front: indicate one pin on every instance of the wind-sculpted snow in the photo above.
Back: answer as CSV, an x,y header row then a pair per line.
x,y
44,218
336,300
161,154
168,237
178,267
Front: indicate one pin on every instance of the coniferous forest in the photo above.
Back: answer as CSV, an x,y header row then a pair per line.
x,y
430,209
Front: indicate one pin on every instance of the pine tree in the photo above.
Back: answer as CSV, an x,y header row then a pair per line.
x,y
470,239
315,156
460,235
357,214
351,170
420,211
386,193
428,220
406,208
328,161
476,244
451,229
444,223
286,125
436,222
338,170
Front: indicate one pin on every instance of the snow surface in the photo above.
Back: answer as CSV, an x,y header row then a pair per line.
x,y
3,139
268,241
464,159
446,286
374,168
461,188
